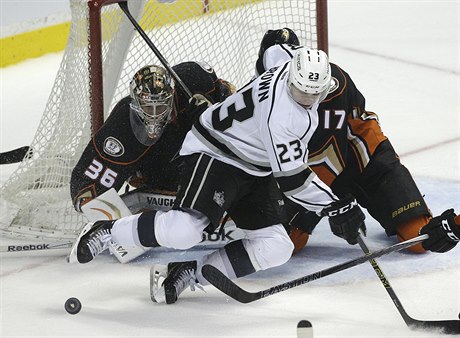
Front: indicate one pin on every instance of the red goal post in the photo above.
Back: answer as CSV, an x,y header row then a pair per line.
x,y
102,54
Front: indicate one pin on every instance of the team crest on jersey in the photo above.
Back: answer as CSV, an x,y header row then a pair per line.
x,y
113,147
219,198
334,85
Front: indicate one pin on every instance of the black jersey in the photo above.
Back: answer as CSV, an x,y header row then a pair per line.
x,y
347,134
350,153
114,154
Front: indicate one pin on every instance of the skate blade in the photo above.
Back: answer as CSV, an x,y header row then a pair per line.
x,y
158,273
72,257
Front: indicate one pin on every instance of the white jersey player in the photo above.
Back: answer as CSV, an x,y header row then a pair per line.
x,y
260,130
238,159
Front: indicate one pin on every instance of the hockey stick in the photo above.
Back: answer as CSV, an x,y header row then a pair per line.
x,y
448,326
124,7
14,156
224,284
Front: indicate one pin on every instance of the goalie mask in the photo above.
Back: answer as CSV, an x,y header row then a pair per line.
x,y
152,91
309,76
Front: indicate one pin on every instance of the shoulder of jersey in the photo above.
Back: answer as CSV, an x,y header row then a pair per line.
x,y
115,141
338,82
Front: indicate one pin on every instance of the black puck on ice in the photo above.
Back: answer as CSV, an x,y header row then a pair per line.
x,y
72,306
304,329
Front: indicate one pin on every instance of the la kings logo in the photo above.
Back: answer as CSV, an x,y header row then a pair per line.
x,y
219,198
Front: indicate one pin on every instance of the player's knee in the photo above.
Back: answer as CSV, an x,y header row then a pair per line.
x,y
179,229
271,246
411,229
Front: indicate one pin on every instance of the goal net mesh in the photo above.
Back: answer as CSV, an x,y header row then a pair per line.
x,y
35,200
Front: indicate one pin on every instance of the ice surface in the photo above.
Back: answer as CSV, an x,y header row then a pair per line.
x,y
404,57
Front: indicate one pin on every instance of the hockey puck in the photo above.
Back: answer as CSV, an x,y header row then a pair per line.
x,y
304,329
72,306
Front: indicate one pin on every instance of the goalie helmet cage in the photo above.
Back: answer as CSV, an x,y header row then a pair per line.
x,y
102,54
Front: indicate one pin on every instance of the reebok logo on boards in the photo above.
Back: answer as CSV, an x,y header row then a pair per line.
x,y
29,247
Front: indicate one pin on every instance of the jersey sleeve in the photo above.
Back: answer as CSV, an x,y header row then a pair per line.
x,y
364,134
287,149
274,56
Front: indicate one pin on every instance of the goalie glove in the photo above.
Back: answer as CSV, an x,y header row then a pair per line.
x,y
195,111
444,232
345,219
197,100
277,37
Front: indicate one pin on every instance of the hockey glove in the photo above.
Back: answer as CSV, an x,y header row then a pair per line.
x,y
345,219
197,100
196,111
443,231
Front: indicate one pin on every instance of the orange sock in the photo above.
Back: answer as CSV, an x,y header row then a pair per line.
x,y
299,238
411,229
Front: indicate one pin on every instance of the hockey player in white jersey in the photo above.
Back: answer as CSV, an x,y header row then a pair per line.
x,y
237,159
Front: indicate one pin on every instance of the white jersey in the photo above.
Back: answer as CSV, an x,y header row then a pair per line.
x,y
262,130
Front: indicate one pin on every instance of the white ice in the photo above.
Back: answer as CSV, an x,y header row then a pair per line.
x,y
404,56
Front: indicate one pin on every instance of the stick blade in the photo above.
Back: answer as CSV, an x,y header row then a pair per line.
x,y
450,327
221,282
304,329
14,156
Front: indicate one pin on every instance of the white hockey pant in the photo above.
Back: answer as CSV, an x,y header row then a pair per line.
x,y
174,229
265,248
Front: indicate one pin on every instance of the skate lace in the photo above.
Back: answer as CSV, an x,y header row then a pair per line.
x,y
187,278
99,241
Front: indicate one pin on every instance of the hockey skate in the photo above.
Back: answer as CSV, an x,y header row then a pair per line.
x,y
93,239
168,282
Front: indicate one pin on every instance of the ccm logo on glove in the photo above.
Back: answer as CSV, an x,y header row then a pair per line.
x,y
344,209
449,232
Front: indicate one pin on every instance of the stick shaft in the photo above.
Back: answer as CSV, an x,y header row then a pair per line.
x,y
224,284
124,7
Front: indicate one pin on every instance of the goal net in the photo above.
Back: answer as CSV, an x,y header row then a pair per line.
x,y
103,52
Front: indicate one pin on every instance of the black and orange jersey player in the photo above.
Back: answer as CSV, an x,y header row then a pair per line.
x,y
351,154
144,131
